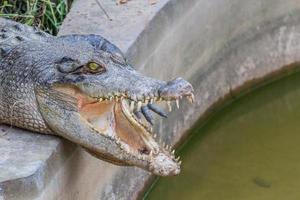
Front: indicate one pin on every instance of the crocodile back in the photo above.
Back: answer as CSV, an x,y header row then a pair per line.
x,y
13,33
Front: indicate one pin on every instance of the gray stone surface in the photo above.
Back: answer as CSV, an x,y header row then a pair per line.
x,y
221,46
126,24
28,161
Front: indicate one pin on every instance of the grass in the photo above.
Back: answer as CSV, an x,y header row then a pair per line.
x,y
48,15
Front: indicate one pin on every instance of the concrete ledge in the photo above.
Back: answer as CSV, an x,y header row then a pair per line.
x,y
24,162
220,46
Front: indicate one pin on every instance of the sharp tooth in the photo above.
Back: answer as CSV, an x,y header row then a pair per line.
x,y
190,99
193,97
151,101
180,162
178,158
169,106
173,152
177,103
100,99
155,135
111,98
151,129
139,105
151,153
131,106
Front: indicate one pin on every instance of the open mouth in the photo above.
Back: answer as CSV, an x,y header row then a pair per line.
x,y
115,117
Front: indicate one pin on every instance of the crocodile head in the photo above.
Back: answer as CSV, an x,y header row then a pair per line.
x,y
97,100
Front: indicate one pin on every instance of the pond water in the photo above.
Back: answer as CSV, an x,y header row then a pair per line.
x,y
248,151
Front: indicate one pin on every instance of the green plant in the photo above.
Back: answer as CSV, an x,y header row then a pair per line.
x,y
48,15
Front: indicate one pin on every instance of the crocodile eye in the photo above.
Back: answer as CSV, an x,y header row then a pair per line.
x,y
93,67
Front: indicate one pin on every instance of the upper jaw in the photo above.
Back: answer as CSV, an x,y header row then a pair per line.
x,y
159,91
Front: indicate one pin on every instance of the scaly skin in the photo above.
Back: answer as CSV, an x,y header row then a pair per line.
x,y
81,88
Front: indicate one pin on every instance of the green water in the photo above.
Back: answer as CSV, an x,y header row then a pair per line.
x,y
248,151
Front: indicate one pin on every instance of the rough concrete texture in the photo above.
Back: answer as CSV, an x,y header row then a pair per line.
x,y
22,155
218,45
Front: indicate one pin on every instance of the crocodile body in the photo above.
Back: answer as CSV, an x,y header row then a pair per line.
x,y
80,87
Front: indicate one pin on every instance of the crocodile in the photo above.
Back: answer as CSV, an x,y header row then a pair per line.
x,y
83,89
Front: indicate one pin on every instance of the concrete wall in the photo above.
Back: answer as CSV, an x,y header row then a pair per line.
x,y
222,47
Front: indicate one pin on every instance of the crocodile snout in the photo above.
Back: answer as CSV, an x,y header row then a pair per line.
x,y
176,88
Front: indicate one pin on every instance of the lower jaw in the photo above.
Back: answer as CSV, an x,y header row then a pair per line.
x,y
114,119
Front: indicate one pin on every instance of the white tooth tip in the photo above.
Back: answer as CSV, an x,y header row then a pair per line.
x,y
169,106
190,99
139,105
131,106
173,152
177,103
